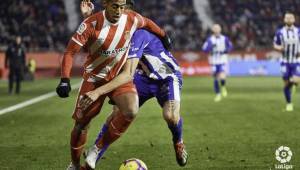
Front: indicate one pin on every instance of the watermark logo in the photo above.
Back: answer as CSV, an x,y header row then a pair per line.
x,y
283,155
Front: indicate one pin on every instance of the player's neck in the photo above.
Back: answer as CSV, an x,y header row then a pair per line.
x,y
289,26
217,35
109,19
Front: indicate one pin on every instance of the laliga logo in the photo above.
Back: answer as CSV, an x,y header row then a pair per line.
x,y
283,154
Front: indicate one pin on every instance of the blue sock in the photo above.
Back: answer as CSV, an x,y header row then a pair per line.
x,y
103,130
223,82
287,94
176,131
216,86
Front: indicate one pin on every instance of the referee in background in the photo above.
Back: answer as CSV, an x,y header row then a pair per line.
x,y
15,60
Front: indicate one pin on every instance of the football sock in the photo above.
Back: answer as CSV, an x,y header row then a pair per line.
x,y
176,131
78,139
216,86
223,82
113,130
100,135
287,93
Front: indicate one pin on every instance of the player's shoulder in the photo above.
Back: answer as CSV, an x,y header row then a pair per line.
x,y
280,30
209,38
132,15
297,28
91,22
142,35
96,17
142,32
223,37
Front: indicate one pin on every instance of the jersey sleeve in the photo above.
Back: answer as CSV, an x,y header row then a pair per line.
x,y
207,46
229,45
83,33
67,60
138,43
299,39
277,38
78,40
149,25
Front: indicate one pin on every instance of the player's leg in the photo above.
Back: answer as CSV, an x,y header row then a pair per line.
x,y
295,78
11,81
126,99
222,78
287,93
286,75
174,120
82,119
216,73
143,87
18,80
170,102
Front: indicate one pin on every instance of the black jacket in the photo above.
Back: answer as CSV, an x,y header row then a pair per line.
x,y
15,57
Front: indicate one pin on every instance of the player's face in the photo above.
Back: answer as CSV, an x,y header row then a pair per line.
x,y
216,29
114,9
18,40
289,19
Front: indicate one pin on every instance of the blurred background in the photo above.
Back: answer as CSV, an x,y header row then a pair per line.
x,y
46,26
241,132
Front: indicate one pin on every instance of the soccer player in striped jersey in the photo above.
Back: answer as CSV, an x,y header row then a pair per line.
x,y
157,75
106,35
287,41
218,45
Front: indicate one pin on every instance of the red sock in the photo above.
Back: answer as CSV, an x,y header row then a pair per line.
x,y
116,127
78,139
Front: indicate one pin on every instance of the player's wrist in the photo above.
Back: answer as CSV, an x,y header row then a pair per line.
x,y
65,80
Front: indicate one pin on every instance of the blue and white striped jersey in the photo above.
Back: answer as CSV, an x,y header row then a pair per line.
x,y
289,38
218,47
155,61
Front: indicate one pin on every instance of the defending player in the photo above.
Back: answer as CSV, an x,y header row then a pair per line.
x,y
218,45
287,41
106,36
157,76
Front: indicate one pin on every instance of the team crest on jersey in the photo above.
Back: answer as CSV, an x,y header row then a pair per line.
x,y
100,41
81,28
127,35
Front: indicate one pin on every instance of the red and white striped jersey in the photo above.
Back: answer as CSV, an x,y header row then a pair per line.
x,y
107,44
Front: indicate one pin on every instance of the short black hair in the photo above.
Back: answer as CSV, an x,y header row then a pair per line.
x,y
130,2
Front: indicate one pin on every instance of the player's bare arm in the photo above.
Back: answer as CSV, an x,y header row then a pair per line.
x,y
124,77
279,48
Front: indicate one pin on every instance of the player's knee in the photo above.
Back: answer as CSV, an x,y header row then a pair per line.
x,y
81,128
131,111
295,79
171,118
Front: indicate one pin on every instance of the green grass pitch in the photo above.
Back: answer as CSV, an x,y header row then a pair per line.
x,y
241,132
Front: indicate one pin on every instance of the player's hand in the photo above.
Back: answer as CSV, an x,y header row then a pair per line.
x,y
64,87
86,8
279,48
167,41
88,99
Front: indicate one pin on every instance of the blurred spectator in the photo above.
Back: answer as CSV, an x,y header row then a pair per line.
x,y
30,70
42,24
177,16
251,24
